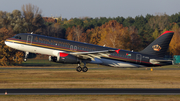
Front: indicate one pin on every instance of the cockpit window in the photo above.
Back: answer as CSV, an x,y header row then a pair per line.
x,y
17,37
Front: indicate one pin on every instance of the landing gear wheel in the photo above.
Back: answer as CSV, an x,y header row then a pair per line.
x,y
78,69
25,60
84,69
26,55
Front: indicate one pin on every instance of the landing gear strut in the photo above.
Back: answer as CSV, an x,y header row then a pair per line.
x,y
79,68
26,55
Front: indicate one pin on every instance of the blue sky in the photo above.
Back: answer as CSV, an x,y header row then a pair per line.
x,y
96,8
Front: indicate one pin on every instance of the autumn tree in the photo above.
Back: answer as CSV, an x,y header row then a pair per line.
x,y
111,33
174,46
95,35
75,33
34,21
7,54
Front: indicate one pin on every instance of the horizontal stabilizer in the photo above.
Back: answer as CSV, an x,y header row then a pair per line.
x,y
155,61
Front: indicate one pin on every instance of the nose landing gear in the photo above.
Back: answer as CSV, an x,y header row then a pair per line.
x,y
26,55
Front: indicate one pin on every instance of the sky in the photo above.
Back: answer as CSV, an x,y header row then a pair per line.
x,y
96,8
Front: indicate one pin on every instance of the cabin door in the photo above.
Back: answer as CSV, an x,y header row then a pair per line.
x,y
138,58
29,39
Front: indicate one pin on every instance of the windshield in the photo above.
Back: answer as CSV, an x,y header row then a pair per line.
x,y
17,37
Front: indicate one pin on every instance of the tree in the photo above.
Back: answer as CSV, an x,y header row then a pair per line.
x,y
78,32
7,54
33,18
139,22
174,46
95,35
160,21
113,34
175,18
120,19
128,22
155,34
74,33
134,39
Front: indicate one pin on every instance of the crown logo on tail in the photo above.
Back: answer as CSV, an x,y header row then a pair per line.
x,y
156,47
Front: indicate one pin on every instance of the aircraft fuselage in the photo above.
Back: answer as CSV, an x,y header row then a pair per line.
x,y
52,46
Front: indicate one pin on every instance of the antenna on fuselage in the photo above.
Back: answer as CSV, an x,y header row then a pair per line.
x,y
31,32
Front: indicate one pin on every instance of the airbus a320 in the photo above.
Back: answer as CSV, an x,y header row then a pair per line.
x,y
72,52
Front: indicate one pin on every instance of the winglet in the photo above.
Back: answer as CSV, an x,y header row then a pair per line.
x,y
117,51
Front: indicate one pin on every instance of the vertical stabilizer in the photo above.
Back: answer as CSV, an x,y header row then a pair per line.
x,y
159,46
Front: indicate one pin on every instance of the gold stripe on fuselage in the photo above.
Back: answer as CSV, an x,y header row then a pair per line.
x,y
39,45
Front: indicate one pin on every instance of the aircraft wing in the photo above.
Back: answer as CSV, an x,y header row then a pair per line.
x,y
94,54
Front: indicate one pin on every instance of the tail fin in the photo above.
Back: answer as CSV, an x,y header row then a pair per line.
x,y
159,46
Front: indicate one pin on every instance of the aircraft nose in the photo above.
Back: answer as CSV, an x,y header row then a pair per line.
x,y
6,42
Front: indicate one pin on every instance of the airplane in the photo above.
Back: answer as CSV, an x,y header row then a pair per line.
x,y
72,52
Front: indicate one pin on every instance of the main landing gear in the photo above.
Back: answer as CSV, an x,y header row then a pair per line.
x,y
79,68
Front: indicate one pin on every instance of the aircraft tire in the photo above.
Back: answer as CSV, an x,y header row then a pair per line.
x,y
25,60
85,69
78,69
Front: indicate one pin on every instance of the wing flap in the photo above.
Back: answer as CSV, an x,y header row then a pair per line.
x,y
93,54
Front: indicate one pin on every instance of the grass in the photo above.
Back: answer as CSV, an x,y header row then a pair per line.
x,y
90,97
101,77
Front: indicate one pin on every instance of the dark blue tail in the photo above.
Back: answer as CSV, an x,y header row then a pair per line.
x,y
159,46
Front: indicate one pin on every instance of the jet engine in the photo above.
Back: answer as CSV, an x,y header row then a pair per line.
x,y
31,55
65,58
53,58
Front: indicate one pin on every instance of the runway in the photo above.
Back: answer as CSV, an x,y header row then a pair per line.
x,y
105,68
89,91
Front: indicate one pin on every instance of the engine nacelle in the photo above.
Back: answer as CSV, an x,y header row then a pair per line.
x,y
31,55
53,58
65,58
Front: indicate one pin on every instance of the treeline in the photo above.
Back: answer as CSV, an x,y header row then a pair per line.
x,y
144,26
124,33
